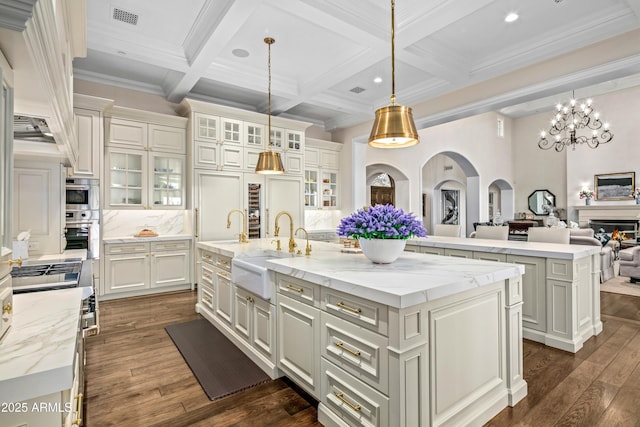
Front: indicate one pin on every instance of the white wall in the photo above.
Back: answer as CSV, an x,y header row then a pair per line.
x,y
565,173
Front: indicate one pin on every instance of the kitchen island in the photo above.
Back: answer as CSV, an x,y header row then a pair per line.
x,y
561,284
425,340
41,360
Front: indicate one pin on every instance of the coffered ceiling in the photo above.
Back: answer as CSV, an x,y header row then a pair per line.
x,y
328,52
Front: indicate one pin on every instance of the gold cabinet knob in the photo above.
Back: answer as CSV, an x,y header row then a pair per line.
x,y
8,308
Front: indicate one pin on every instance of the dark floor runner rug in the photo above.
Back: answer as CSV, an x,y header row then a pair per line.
x,y
220,367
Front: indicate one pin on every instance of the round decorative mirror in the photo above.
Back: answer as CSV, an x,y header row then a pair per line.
x,y
541,202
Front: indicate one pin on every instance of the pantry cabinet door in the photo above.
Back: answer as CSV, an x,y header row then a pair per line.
x,y
216,194
284,193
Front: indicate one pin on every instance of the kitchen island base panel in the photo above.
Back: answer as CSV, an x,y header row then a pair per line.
x,y
263,363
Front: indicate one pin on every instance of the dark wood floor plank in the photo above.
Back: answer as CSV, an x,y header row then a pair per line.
x,y
136,376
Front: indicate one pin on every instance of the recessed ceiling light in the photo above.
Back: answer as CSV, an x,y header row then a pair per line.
x,y
377,80
511,17
240,53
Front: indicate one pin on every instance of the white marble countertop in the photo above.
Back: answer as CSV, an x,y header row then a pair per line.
x,y
410,280
512,247
38,354
161,238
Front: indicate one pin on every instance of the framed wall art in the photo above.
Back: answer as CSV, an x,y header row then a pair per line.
x,y
450,205
614,186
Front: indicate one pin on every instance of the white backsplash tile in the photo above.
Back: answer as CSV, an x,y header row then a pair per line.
x,y
121,223
322,219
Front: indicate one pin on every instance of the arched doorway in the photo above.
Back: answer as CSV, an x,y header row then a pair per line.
x,y
383,190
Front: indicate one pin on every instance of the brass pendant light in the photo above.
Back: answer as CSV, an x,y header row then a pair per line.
x,y
269,162
393,126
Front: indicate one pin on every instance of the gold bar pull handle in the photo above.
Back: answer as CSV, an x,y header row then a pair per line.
x,y
196,224
293,288
17,262
78,420
346,402
345,348
346,307
266,214
7,308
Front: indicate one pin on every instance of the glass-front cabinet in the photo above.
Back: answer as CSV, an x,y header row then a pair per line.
x,y
168,177
310,188
329,188
145,180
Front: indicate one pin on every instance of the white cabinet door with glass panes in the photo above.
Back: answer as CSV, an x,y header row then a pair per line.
x,y
295,141
277,138
206,128
232,131
311,199
329,188
254,135
144,179
126,173
168,174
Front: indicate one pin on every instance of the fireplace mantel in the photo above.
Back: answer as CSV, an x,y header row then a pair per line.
x,y
610,212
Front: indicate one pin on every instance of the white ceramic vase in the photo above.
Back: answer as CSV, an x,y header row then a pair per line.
x,y
382,251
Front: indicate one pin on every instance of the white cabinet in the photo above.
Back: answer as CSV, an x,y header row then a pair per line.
x,y
145,162
37,192
534,291
322,176
146,267
6,295
144,179
145,136
299,343
284,193
246,319
216,194
255,322
89,133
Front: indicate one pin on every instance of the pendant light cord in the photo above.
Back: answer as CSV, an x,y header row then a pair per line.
x,y
269,41
393,53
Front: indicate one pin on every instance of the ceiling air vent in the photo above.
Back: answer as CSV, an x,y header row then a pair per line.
x,y
357,89
124,16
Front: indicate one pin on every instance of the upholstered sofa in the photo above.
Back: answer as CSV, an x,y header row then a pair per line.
x,y
630,263
584,236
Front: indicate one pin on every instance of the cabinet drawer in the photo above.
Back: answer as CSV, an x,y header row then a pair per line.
x,y
363,312
223,262
206,274
206,296
6,305
358,351
300,290
352,400
207,257
126,248
170,246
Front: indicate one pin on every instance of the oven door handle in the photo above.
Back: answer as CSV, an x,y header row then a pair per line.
x,y
76,187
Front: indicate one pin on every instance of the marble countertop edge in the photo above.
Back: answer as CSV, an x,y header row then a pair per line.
x,y
160,238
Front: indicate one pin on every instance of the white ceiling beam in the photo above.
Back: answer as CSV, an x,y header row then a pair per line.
x,y
203,51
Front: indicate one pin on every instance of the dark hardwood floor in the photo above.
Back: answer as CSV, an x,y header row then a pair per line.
x,y
136,377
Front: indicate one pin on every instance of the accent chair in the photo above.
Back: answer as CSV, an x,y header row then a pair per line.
x,y
449,230
493,232
548,235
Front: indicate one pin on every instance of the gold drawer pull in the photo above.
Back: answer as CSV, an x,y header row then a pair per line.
x,y
207,256
224,262
78,420
223,275
351,405
7,308
345,348
207,298
249,299
346,307
206,276
293,288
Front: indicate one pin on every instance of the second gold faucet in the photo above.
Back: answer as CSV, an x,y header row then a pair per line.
x,y
292,242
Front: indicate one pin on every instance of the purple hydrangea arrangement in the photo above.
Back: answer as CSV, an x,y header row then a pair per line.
x,y
381,222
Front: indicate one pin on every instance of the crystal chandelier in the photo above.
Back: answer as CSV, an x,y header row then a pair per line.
x,y
568,120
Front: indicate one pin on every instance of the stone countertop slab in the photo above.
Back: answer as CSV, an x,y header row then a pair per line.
x,y
410,280
38,354
511,247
